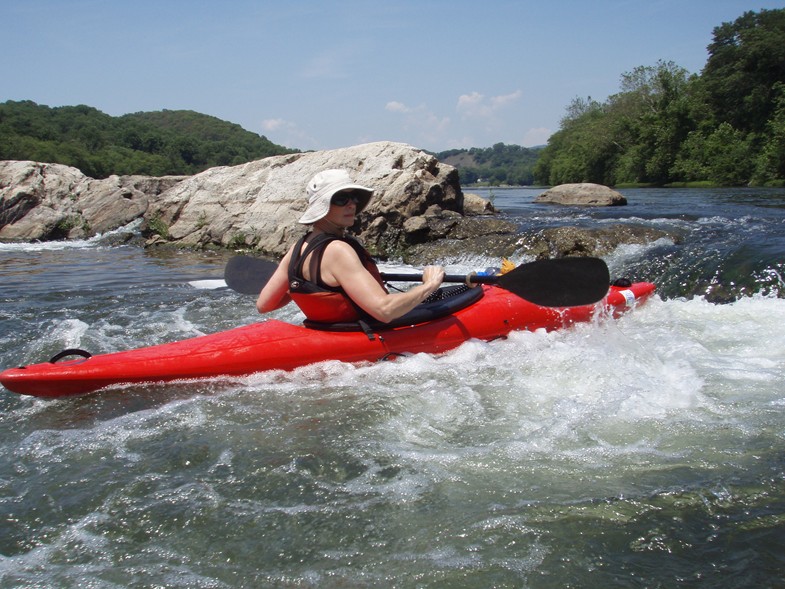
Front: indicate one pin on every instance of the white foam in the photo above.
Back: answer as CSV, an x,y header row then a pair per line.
x,y
95,241
208,284
674,382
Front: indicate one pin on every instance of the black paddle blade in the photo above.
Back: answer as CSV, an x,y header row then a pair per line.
x,y
562,282
248,275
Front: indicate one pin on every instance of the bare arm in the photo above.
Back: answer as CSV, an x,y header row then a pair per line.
x,y
341,266
275,293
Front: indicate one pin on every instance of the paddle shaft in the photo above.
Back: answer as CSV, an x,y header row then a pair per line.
x,y
472,278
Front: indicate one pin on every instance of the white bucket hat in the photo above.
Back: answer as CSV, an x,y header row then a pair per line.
x,y
322,187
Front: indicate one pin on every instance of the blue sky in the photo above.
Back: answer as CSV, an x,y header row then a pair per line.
x,y
316,74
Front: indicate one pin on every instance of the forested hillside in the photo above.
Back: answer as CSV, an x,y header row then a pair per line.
x,y
497,165
725,126
154,143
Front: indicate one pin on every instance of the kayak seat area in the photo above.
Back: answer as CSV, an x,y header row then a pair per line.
x,y
445,301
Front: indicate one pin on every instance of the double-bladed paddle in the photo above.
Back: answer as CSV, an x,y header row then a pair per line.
x,y
562,282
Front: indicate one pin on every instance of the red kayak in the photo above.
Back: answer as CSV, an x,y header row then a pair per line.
x,y
486,312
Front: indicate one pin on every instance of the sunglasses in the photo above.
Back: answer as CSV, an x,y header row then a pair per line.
x,y
341,199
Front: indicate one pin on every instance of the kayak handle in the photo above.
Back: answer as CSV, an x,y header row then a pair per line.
x,y
70,352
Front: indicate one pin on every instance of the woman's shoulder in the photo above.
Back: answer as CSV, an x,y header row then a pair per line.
x,y
340,246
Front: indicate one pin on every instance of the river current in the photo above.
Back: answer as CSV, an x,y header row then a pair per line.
x,y
646,451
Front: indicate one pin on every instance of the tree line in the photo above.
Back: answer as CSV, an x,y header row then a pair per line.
x,y
725,126
160,143
498,165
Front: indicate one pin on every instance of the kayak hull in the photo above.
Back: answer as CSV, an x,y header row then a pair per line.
x,y
275,345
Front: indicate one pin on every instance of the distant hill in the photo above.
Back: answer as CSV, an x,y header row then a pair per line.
x,y
176,142
498,165
184,142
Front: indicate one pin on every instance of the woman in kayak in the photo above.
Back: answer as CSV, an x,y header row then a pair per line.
x,y
329,275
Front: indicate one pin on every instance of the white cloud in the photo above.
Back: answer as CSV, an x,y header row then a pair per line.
x,y
476,105
271,125
395,106
470,99
498,102
469,103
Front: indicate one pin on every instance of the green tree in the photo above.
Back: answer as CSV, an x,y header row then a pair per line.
x,y
770,164
650,118
727,154
726,125
746,60
583,150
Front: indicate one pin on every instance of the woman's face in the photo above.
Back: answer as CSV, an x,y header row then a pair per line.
x,y
343,209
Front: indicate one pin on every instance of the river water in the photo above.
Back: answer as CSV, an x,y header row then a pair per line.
x,y
647,451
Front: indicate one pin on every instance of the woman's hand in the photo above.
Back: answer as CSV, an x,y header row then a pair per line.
x,y
432,277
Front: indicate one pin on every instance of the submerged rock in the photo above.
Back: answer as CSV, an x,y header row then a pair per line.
x,y
555,242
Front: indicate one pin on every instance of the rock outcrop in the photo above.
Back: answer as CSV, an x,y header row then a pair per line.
x,y
253,206
256,205
418,212
582,194
51,201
